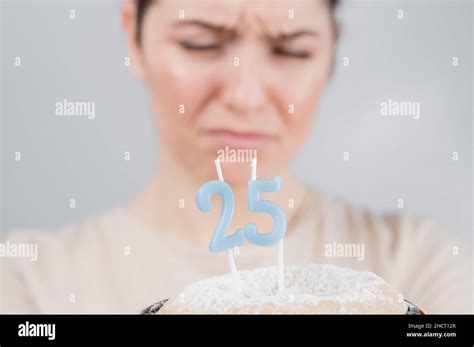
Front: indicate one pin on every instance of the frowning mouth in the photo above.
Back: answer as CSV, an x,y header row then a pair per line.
x,y
234,139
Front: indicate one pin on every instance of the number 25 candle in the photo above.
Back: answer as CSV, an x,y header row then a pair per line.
x,y
220,241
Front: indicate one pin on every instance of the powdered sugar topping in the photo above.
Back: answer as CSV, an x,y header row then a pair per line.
x,y
309,284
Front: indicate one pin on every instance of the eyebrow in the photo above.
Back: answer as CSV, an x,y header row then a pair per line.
x,y
221,28
296,34
202,24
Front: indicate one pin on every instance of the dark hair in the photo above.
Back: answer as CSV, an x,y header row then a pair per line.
x,y
142,6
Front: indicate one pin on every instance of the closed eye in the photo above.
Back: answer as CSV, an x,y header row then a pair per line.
x,y
200,46
292,53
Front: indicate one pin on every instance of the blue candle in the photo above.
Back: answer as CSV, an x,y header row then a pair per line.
x,y
256,204
219,240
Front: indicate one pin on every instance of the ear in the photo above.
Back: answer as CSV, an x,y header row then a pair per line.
x,y
135,51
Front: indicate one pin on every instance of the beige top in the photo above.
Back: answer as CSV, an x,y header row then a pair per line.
x,y
113,264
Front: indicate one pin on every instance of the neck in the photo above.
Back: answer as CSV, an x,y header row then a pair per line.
x,y
167,204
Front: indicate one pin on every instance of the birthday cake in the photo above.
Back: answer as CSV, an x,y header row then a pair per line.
x,y
309,289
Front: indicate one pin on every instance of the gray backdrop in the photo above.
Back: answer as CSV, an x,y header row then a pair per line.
x,y
390,157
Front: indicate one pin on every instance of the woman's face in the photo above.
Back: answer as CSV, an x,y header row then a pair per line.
x,y
236,73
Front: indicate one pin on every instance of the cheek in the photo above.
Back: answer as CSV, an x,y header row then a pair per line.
x,y
179,92
306,102
300,88
298,102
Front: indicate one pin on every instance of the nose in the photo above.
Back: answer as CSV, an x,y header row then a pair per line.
x,y
243,87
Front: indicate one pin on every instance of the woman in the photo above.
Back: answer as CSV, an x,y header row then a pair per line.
x,y
227,75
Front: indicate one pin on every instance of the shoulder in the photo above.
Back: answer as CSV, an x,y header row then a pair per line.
x,y
51,254
394,231
62,238
42,268
422,258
